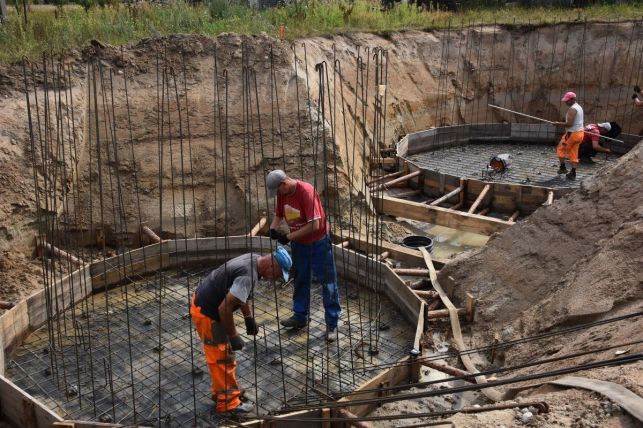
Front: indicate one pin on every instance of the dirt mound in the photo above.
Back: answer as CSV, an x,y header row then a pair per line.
x,y
574,261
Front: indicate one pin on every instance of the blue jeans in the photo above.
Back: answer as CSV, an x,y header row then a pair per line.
x,y
315,259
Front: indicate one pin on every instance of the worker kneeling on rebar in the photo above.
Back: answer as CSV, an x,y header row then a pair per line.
x,y
223,291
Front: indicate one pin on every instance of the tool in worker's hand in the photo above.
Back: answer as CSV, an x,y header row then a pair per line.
x,y
547,121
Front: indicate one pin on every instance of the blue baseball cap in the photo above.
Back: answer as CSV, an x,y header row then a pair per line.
x,y
284,260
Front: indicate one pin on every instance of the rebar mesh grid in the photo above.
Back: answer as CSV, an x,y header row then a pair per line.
x,y
532,164
99,382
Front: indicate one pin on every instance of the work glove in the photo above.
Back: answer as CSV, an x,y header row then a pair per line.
x,y
280,237
236,343
637,89
251,326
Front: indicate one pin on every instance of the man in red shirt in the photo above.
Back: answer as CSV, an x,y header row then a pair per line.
x,y
312,252
591,138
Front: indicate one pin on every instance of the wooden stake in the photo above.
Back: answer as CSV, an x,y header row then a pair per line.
x,y
444,313
150,234
396,181
456,206
447,196
409,193
427,294
550,198
411,272
449,370
384,177
514,216
470,304
261,225
417,342
479,199
63,255
484,211
384,255
345,244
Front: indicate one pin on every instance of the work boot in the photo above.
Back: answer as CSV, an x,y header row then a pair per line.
x,y
562,170
239,412
293,322
331,334
571,175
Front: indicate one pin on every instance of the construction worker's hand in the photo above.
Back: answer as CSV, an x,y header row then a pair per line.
x,y
236,342
251,326
637,88
280,237
634,96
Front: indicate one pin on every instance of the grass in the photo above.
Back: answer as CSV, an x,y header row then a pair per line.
x,y
54,31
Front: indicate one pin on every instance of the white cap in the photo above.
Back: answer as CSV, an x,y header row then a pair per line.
x,y
273,180
606,126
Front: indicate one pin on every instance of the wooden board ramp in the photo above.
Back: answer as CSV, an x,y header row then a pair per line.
x,y
490,393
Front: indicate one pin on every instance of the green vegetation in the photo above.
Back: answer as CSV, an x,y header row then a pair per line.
x,y
56,29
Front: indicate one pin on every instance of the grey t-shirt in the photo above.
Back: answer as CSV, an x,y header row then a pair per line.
x,y
237,276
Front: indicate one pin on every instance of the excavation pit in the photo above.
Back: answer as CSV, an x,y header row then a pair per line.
x,y
113,373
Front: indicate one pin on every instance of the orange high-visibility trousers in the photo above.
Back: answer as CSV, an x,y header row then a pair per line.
x,y
568,145
220,360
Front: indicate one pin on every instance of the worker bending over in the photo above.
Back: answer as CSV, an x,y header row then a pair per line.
x,y
312,251
592,138
223,291
568,145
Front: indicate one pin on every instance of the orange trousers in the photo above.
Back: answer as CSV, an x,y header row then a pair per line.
x,y
220,360
568,145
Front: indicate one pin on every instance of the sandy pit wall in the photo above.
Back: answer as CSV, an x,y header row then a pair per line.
x,y
434,78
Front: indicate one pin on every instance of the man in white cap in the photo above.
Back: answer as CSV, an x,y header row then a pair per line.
x,y
568,145
312,252
591,141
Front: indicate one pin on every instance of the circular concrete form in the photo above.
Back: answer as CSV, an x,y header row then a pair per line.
x,y
531,164
105,335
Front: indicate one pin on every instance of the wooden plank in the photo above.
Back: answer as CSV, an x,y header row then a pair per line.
x,y
419,329
260,226
490,393
514,216
479,199
440,216
397,180
19,414
384,177
397,375
150,234
409,193
550,198
447,196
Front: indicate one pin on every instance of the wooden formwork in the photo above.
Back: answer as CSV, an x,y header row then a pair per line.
x,y
23,410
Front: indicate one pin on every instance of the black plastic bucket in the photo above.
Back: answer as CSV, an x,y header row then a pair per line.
x,y
417,241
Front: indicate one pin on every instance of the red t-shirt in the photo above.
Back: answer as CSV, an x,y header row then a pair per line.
x,y
300,208
588,138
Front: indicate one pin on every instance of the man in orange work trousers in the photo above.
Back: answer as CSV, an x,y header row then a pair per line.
x,y
568,145
223,291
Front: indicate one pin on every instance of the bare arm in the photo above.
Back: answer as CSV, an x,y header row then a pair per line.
x,y
600,148
276,221
307,230
226,309
569,118
245,310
